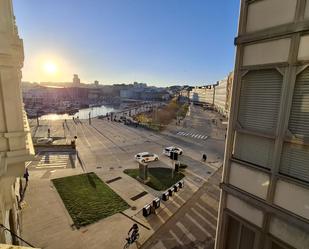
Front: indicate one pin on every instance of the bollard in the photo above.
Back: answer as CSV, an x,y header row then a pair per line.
x,y
146,210
165,196
176,188
170,192
156,203
181,184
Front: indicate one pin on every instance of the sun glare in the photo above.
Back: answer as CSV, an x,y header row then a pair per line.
x,y
50,68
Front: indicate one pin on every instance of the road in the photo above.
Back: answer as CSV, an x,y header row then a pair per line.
x,y
107,148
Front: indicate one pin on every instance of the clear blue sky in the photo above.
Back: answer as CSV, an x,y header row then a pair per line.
x,y
160,42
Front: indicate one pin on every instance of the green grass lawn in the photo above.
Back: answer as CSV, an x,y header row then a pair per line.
x,y
160,178
88,199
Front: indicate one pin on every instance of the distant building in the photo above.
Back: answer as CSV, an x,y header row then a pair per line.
x,y
222,95
202,95
76,80
139,85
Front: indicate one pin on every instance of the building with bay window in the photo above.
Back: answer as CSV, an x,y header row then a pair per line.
x,y
265,190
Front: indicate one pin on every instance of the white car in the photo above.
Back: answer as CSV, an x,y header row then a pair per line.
x,y
146,157
167,151
44,140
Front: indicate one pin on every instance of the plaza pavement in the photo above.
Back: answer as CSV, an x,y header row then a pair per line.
x,y
107,148
194,225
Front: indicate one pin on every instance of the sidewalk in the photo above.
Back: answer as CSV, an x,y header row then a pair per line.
x,y
194,225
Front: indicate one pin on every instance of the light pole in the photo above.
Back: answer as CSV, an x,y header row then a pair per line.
x,y
37,119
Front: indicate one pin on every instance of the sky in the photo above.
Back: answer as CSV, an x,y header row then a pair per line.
x,y
159,42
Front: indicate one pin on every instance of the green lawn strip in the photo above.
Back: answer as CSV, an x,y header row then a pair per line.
x,y
160,178
88,199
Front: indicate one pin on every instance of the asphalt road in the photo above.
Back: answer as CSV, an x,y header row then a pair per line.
x,y
108,148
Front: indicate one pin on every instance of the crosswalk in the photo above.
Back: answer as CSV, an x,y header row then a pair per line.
x,y
192,134
195,229
53,160
195,225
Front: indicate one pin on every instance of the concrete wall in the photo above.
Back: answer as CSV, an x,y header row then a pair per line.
x,y
269,13
245,210
250,180
267,52
303,53
298,202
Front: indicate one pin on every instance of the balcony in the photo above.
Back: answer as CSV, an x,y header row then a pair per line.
x,y
19,149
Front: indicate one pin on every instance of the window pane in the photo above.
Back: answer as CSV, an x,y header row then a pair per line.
x,y
247,238
254,149
294,161
259,100
232,233
299,118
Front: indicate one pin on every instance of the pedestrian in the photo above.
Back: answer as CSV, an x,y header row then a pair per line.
x,y
26,175
204,157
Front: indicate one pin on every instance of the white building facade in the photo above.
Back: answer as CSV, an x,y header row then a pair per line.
x,y
15,140
265,190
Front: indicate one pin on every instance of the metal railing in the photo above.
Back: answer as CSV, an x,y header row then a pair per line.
x,y
15,235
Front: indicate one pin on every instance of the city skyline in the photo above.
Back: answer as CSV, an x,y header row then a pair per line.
x,y
120,42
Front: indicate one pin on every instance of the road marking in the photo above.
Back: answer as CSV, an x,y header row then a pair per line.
x,y
160,245
205,210
95,130
186,231
176,238
196,175
197,224
204,219
84,136
199,136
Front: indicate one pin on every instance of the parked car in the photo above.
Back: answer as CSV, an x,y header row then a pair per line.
x,y
44,140
167,151
123,118
146,157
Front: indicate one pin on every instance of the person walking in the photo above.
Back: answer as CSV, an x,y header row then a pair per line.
x,y
26,175
204,157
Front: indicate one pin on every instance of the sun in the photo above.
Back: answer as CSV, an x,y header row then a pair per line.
x,y
50,67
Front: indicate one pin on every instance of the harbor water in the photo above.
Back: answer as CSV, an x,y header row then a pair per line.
x,y
82,113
